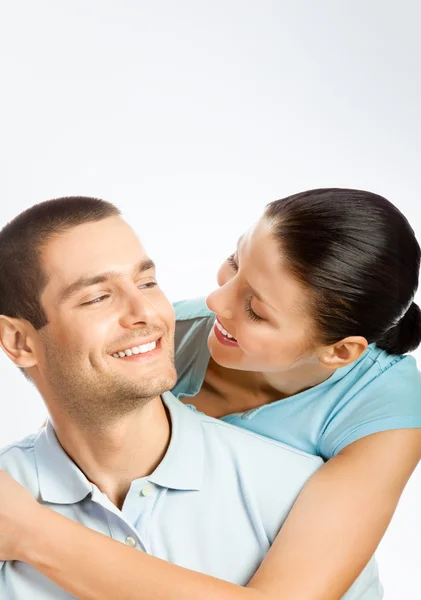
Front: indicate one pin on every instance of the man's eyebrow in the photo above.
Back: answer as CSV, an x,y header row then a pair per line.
x,y
84,282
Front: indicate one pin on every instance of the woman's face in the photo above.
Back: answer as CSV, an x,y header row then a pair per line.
x,y
262,307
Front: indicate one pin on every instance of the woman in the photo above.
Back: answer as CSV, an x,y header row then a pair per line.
x,y
314,315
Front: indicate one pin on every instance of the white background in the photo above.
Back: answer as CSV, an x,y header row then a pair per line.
x,y
191,116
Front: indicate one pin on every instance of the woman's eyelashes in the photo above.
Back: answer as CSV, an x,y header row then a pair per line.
x,y
99,299
249,310
253,316
232,263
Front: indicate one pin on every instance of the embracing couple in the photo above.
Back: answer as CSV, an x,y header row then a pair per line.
x,y
250,446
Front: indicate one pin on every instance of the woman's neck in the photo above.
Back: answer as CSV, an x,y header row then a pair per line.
x,y
227,391
299,379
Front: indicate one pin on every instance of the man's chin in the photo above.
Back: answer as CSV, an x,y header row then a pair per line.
x,y
155,386
164,385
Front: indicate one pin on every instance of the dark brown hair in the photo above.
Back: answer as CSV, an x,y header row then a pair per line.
x,y
22,278
358,256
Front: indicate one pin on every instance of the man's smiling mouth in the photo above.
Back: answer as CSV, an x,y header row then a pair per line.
x,y
138,349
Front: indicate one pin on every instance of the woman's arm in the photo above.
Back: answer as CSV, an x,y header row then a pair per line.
x,y
328,538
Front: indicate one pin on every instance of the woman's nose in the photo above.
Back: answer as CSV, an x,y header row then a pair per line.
x,y
220,301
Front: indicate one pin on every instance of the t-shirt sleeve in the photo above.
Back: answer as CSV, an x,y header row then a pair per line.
x,y
193,324
392,400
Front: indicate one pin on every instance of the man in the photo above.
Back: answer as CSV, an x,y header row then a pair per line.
x,y
84,318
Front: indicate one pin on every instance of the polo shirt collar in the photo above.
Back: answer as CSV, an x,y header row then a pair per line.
x,y
62,482
183,464
60,479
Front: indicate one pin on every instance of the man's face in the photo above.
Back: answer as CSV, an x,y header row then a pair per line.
x,y
101,300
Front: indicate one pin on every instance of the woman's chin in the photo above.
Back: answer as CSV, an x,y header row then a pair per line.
x,y
225,356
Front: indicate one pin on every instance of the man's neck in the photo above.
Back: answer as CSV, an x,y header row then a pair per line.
x,y
129,449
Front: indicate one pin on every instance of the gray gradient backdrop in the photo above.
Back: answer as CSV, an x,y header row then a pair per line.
x,y
191,115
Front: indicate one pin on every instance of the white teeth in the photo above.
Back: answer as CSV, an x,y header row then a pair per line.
x,y
223,331
136,350
147,347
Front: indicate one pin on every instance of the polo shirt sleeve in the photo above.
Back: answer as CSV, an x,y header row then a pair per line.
x,y
17,460
392,400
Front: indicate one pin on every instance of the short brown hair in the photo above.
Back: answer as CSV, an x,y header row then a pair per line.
x,y
22,278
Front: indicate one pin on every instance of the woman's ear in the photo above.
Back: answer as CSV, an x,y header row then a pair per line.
x,y
17,341
343,353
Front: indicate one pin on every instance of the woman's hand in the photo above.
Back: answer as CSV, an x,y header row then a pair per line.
x,y
18,511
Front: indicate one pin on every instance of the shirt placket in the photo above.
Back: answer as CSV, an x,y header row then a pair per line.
x,y
129,525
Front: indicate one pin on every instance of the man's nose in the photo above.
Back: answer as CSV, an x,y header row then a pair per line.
x,y
137,309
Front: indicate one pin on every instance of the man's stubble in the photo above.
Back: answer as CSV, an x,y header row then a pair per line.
x,y
96,402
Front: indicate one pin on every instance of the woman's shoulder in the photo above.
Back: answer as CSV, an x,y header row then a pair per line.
x,y
377,371
385,395
192,309
397,373
193,322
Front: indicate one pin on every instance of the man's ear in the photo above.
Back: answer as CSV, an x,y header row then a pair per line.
x,y
17,339
343,353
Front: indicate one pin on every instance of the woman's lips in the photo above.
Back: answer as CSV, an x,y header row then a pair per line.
x,y
223,339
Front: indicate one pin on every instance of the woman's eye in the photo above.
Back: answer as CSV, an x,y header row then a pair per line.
x,y
253,316
232,263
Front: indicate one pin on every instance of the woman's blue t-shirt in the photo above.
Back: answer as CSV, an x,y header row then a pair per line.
x,y
377,392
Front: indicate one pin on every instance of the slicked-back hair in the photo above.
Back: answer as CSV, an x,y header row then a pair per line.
x,y
22,277
358,257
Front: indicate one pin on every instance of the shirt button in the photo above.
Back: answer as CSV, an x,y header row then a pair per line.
x,y
130,541
147,490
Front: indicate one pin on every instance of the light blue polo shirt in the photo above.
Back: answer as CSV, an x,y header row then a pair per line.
x,y
378,392
214,504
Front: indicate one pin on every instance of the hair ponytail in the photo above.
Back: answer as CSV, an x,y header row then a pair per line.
x,y
405,336
358,257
